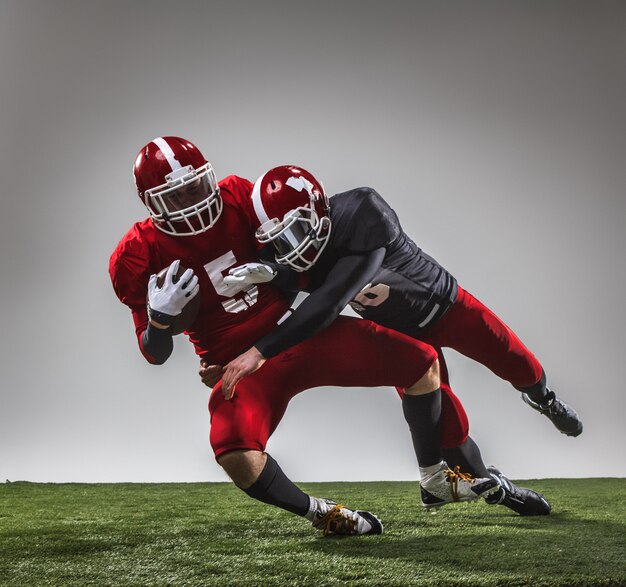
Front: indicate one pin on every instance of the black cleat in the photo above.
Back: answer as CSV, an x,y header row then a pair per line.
x,y
521,500
558,412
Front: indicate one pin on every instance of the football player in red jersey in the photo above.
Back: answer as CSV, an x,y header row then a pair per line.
x,y
354,250
208,227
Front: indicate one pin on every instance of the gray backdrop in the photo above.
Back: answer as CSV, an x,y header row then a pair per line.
x,y
495,129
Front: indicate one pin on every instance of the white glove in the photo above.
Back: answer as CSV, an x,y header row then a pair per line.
x,y
251,273
172,297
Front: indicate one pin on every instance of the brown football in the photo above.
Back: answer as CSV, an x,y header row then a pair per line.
x,y
189,313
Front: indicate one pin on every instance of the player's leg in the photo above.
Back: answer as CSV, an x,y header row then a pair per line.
x,y
457,447
421,406
240,429
521,500
475,331
453,433
462,453
361,353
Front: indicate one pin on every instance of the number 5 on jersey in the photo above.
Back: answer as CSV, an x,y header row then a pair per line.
x,y
249,293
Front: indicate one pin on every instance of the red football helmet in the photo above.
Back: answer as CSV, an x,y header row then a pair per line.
x,y
178,186
293,212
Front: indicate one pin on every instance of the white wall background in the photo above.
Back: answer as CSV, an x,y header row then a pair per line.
x,y
496,130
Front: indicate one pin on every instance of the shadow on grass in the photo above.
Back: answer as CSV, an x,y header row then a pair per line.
x,y
549,546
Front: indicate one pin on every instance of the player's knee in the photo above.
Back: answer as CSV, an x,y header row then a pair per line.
x,y
430,381
243,466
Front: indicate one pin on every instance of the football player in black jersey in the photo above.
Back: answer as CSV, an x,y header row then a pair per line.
x,y
351,249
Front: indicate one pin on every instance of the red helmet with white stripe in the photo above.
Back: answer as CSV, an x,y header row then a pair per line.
x,y
178,186
293,212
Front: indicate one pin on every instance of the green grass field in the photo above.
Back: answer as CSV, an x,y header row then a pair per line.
x,y
212,534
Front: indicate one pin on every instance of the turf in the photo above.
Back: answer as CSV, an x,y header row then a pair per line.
x,y
212,534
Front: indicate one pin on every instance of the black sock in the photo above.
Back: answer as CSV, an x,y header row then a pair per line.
x,y
467,456
423,415
275,488
537,392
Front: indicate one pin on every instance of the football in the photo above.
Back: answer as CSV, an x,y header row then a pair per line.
x,y
189,313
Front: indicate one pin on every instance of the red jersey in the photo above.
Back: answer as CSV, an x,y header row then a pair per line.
x,y
231,317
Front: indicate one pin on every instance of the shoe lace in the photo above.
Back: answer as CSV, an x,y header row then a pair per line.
x,y
457,474
336,521
453,477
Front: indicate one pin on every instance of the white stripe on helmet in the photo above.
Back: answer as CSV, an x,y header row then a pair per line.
x,y
167,151
300,183
258,203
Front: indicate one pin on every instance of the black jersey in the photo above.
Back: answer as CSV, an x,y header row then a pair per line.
x,y
370,263
410,290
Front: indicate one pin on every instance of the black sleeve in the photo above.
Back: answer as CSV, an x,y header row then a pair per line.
x,y
157,344
289,280
347,277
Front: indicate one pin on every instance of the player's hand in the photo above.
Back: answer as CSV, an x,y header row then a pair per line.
x,y
210,374
171,298
238,368
251,273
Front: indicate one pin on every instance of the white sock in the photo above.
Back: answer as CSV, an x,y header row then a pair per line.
x,y
313,507
426,472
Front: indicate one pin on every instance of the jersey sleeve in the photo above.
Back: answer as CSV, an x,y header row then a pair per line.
x,y
129,270
374,223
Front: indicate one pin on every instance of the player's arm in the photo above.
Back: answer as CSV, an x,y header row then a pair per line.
x,y
165,302
155,340
284,278
347,277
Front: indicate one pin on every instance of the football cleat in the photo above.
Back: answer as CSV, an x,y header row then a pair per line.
x,y
448,486
521,500
334,519
558,412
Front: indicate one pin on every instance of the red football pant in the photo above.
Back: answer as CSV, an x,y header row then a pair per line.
x,y
472,329
351,352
